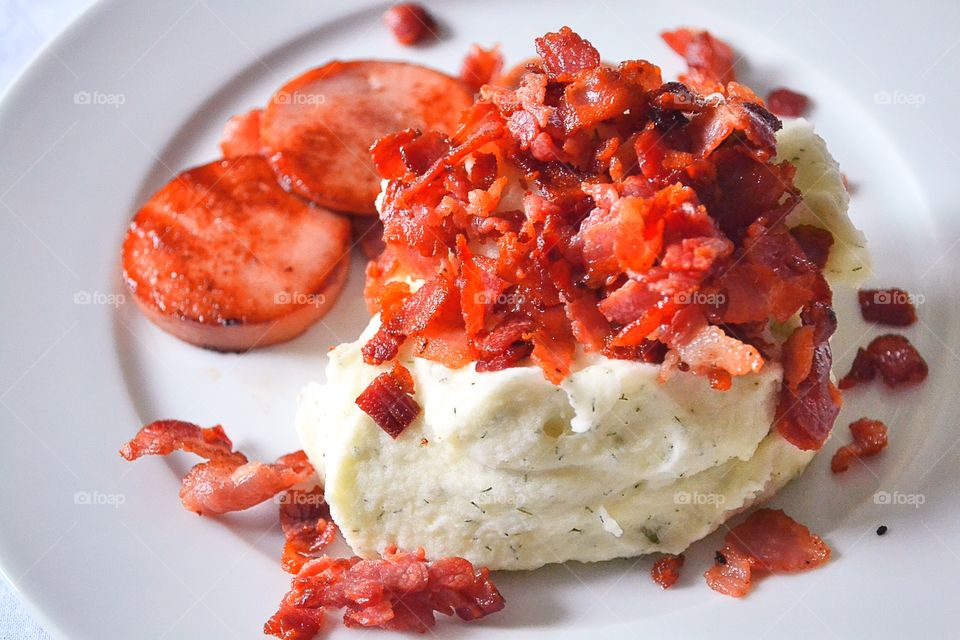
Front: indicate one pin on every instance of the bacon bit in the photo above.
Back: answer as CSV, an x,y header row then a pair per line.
x,y
410,23
768,540
815,242
228,481
893,357
213,488
666,570
163,437
785,102
388,401
710,60
564,53
400,592
481,66
307,526
731,574
887,306
869,439
861,371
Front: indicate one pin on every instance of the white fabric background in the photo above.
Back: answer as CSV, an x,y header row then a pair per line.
x,y
25,27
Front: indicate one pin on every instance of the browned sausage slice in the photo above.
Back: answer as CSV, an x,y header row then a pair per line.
x,y
318,128
241,135
224,258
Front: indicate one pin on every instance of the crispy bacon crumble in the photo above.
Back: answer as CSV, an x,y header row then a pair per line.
x,y
768,540
400,592
893,357
597,207
389,401
307,527
869,439
666,570
788,103
409,23
892,307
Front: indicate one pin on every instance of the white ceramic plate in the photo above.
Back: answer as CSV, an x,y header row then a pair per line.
x,y
135,91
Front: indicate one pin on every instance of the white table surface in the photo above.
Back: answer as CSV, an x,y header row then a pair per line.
x,y
25,27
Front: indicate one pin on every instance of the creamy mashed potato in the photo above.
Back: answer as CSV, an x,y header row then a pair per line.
x,y
512,472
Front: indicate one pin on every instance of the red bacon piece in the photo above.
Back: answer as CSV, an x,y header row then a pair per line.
x,y
815,242
389,402
400,592
163,437
409,23
768,540
869,439
666,570
785,102
228,481
213,488
564,53
809,407
892,307
481,66
709,59
862,370
307,527
893,357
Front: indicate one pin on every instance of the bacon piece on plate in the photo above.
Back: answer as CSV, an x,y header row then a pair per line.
x,y
710,60
869,439
892,307
318,128
409,23
163,437
389,402
399,592
241,135
228,481
307,526
666,570
785,102
223,258
893,357
768,540
213,488
481,66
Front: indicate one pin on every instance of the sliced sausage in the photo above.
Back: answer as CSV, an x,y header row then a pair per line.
x,y
318,128
241,135
224,258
